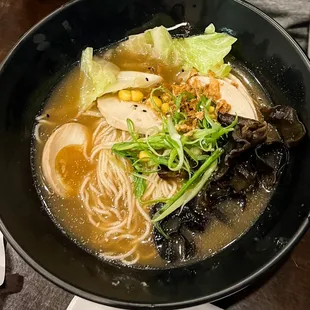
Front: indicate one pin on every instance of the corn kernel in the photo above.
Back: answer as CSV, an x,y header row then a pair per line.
x,y
143,155
136,95
124,95
165,107
211,110
157,101
213,116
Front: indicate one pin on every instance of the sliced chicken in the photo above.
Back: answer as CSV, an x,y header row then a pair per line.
x,y
133,79
116,112
71,134
233,93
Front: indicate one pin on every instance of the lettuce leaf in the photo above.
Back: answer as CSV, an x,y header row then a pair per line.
x,y
156,42
205,52
139,44
221,69
96,75
161,42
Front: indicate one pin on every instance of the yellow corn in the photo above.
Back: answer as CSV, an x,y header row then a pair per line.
x,y
213,116
165,107
136,95
157,101
211,110
124,95
143,155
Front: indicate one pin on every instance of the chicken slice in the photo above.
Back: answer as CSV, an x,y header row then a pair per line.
x,y
133,79
234,94
116,112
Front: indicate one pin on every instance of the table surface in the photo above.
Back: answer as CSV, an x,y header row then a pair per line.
x,y
287,288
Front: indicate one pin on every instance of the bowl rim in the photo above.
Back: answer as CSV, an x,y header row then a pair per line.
x,y
233,289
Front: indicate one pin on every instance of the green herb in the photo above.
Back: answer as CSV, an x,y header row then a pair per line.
x,y
161,231
178,148
155,107
196,153
131,129
190,188
140,185
178,101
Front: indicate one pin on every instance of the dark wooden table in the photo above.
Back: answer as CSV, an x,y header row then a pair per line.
x,y
287,288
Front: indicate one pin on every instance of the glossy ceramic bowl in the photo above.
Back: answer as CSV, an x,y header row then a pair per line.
x,y
39,61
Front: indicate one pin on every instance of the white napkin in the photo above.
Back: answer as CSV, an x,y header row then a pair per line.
x,y
2,259
78,303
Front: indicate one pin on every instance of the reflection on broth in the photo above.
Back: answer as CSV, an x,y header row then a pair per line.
x,y
178,190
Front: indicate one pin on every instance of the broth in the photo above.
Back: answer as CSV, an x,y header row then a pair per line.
x,y
70,215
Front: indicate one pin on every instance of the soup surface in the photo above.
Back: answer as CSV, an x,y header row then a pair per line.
x,y
69,214
113,182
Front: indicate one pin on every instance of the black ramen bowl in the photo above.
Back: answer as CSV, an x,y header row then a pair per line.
x,y
40,60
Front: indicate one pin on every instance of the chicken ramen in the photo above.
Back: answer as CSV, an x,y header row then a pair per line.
x,y
155,151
